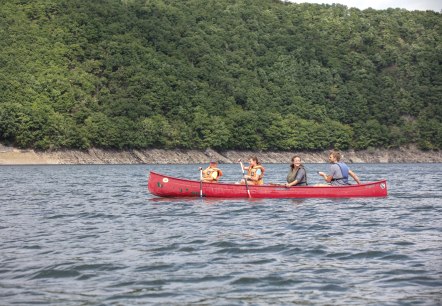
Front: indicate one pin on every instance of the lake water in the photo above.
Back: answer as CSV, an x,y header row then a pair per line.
x,y
83,235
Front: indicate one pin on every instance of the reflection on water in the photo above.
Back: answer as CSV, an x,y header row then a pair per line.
x,y
75,235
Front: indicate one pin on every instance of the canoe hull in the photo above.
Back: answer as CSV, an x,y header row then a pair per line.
x,y
167,186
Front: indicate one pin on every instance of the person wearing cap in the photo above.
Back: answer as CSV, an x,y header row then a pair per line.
x,y
212,173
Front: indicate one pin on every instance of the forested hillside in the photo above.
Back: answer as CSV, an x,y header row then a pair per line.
x,y
224,74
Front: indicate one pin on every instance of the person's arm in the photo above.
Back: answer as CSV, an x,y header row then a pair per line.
x,y
215,175
354,176
204,174
327,178
299,176
294,183
243,168
242,165
334,168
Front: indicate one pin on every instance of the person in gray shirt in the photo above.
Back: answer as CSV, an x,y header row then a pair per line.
x,y
339,171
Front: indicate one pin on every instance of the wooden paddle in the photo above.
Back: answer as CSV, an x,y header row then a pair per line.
x,y
245,180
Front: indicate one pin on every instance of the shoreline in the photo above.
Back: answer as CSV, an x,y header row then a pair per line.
x,y
14,156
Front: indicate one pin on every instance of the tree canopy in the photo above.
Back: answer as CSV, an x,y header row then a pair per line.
x,y
224,74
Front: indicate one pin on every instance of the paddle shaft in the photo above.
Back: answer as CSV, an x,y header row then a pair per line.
x,y
245,180
201,182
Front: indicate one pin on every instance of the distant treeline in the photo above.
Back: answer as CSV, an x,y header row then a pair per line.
x,y
224,74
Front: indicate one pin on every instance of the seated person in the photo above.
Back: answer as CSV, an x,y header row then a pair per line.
x,y
255,172
297,175
212,173
339,171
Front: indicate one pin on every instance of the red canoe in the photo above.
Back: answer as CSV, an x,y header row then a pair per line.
x,y
167,186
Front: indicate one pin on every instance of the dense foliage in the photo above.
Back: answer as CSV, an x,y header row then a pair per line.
x,y
225,74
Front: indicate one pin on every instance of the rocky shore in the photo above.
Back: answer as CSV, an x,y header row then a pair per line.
x,y
14,156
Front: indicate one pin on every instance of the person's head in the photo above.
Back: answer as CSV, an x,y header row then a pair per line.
x,y
254,161
213,163
334,157
296,161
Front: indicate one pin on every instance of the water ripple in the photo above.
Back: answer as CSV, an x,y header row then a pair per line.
x,y
73,235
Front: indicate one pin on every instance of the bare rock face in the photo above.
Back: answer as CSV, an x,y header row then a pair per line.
x,y
10,155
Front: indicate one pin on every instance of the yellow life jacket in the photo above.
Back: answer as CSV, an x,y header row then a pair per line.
x,y
252,172
207,174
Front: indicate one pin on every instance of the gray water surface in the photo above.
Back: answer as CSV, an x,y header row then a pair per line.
x,y
85,235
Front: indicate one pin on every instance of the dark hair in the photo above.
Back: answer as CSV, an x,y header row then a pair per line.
x,y
293,158
255,159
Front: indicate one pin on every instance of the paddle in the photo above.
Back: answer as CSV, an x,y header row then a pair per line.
x,y
245,180
201,181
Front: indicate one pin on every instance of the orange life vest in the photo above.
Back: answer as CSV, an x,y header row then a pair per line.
x,y
207,174
252,172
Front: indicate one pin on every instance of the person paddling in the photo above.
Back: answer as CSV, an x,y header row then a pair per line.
x,y
212,173
297,175
339,171
255,172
